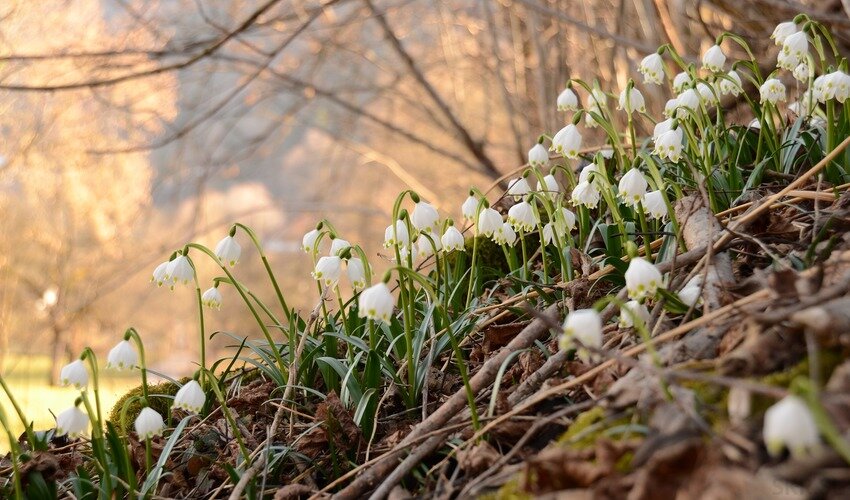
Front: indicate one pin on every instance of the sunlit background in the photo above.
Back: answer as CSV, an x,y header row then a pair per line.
x,y
129,127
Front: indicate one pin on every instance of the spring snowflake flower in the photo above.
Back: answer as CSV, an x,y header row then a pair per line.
x,y
687,103
160,276
567,142
72,422
424,217
680,81
801,72
595,102
396,235
631,311
714,59
783,31
632,187
706,93
670,107
149,423
538,156
505,235
652,69
565,219
122,357
518,188
228,250
74,373
731,84
585,174
328,269
585,193
452,240
785,60
522,217
691,293
669,145
469,209
661,127
425,249
338,245
567,100
190,397
653,204
642,279
549,186
632,101
489,221
797,46
772,91
308,242
836,85
584,325
548,233
180,271
376,303
754,124
789,423
212,298
356,273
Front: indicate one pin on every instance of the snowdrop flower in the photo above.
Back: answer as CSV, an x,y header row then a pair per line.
x,y
688,101
180,271
819,88
505,235
706,93
149,423
670,107
338,245
796,45
328,269
548,234
425,249
72,422
785,60
356,273
190,397
801,72
585,193
653,204
680,81
549,186
783,31
228,250
714,59
642,279
396,235
567,142
632,187
160,276
567,100
376,303
212,298
652,69
789,423
489,221
74,373
538,156
632,100
731,84
518,188
452,240
308,242
661,127
669,145
469,209
122,356
837,86
691,293
522,217
585,325
631,311
772,91
424,217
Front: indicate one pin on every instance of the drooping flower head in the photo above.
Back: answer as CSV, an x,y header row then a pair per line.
x,y
772,91
190,397
75,374
567,142
789,423
518,188
714,59
452,239
149,423
652,69
338,245
376,303
180,271
489,221
632,100
642,279
731,84
632,187
123,356
72,422
783,31
308,242
584,325
424,217
632,313
523,217
212,298
356,273
567,100
538,156
228,250
328,270
653,204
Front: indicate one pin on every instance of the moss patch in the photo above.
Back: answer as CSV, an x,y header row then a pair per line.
x,y
584,429
133,400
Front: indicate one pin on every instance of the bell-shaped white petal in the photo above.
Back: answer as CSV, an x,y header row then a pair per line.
x,y
149,423
670,107
652,69
328,270
538,156
74,373
180,271
396,235
585,193
548,233
72,422
632,187
518,188
469,209
588,173
523,217
338,245
691,293
790,424
122,357
584,325
567,142
212,298
549,185
425,217
190,397
565,220
489,221
783,31
642,279
228,250
632,100
426,248
680,81
797,46
356,273
632,313
687,103
714,59
452,240
772,91
661,127
505,235
801,72
567,100
669,145
653,204
308,242
376,303
706,93
160,276
731,84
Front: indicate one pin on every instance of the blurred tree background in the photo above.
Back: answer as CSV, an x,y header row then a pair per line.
x,y
129,127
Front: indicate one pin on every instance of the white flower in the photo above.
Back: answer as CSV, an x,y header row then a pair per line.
x,y
786,60
567,142
538,156
376,303
548,234
642,279
190,397
631,311
180,271
567,100
356,273
819,88
425,249
328,269
584,325
585,193
489,221
754,124
670,107
212,298
688,101
149,424
796,45
789,423
518,188
669,145
74,373
549,185
505,235
661,127
159,275
837,86
338,245
691,293
469,209
424,217
72,422
584,175
783,31
596,99
714,59
122,356
801,72
632,187
308,242
653,204
522,217
772,91
706,93
680,81
452,240
632,101
565,219
731,84
652,69
396,235
228,250
607,153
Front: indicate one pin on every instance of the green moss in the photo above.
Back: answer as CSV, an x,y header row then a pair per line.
x,y
585,428
512,490
133,400
828,361
624,464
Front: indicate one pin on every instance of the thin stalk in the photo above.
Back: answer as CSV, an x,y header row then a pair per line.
x,y
266,264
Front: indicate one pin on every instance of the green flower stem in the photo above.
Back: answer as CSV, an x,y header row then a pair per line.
x,y
88,355
237,434
266,264
647,241
14,451
524,269
131,333
201,326
473,276
543,254
807,389
97,443
19,411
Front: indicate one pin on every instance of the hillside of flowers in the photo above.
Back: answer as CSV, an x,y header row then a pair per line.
x,y
652,317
